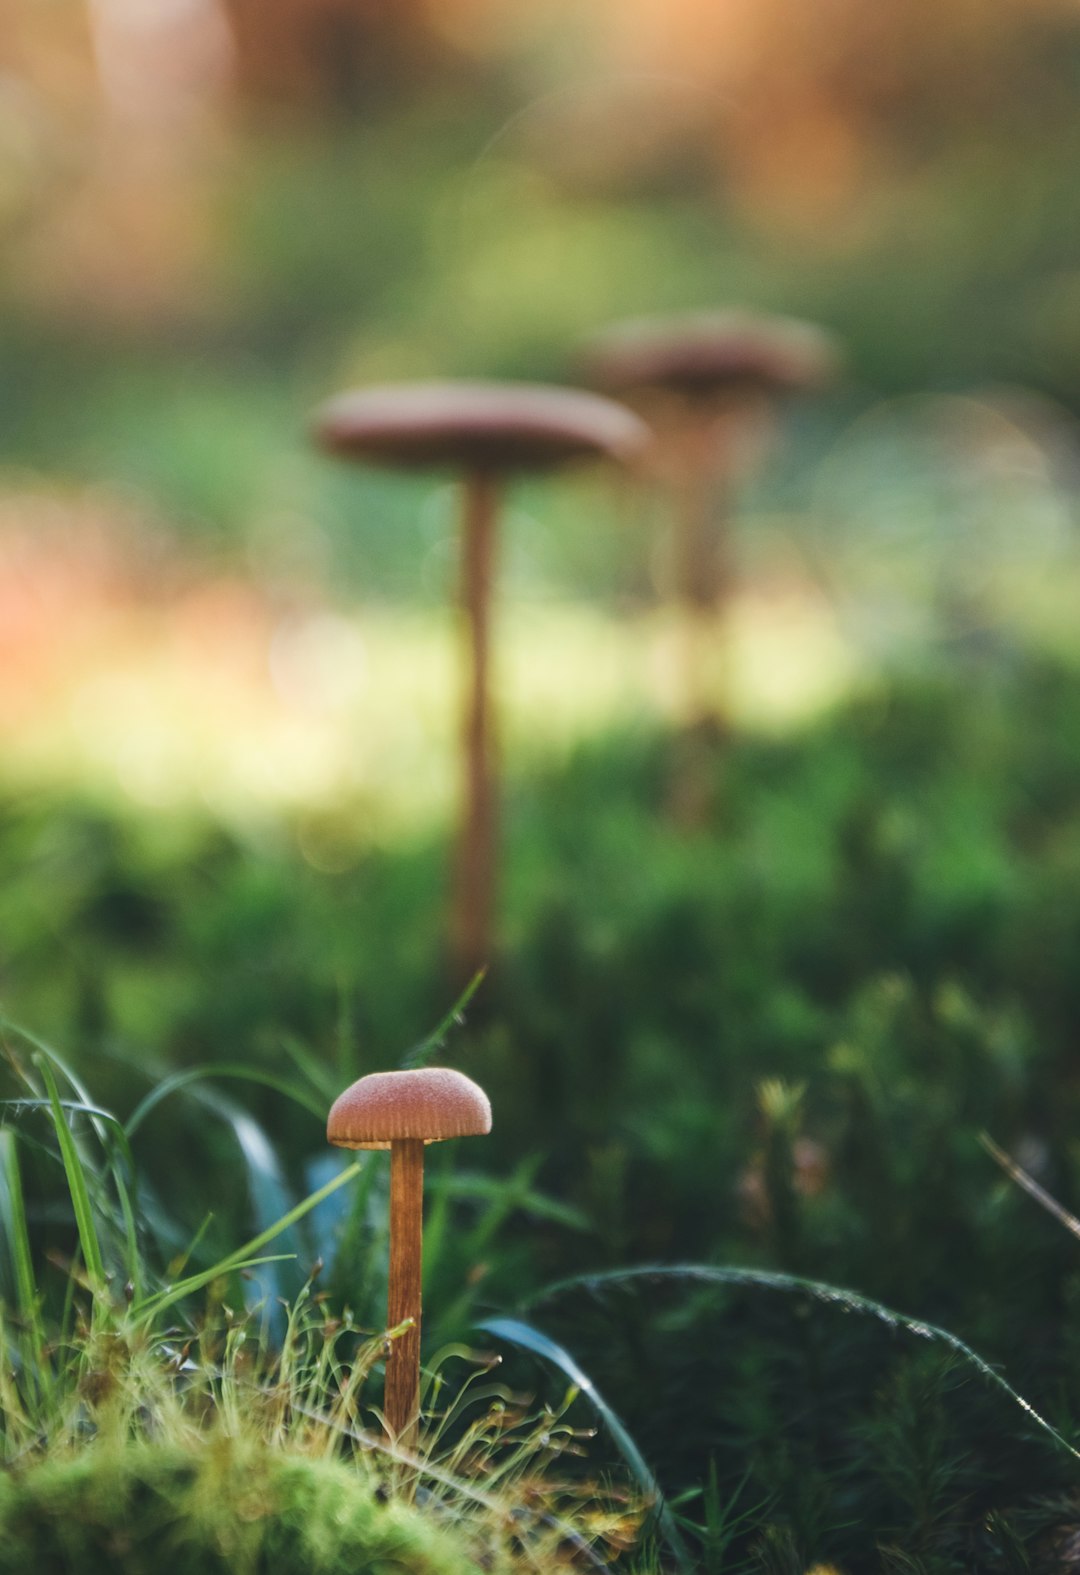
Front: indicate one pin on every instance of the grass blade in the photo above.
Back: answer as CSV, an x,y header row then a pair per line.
x,y
234,1260
76,1180
528,1338
169,1085
421,1053
13,1210
817,1290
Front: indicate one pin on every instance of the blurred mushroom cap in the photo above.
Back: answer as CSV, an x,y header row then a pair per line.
x,y
429,1103
699,354
477,426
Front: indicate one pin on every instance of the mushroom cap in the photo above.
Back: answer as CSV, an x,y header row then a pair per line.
x,y
698,354
431,1103
477,426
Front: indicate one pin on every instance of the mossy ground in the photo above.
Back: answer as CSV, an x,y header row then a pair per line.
x,y
229,1506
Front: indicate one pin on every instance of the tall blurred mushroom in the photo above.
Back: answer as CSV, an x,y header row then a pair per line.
x,y
485,432
402,1111
708,383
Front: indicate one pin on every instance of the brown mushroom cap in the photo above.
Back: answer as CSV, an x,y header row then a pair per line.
x,y
430,1103
702,353
477,426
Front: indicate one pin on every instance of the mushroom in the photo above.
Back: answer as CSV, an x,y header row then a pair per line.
x,y
485,432
708,382
402,1111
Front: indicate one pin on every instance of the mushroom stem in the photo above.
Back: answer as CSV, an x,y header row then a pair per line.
x,y
475,875
697,566
702,551
401,1401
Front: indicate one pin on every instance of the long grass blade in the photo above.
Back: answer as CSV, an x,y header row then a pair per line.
x,y
527,1338
110,1130
76,1180
267,1189
106,1126
792,1284
18,1237
227,1069
421,1053
234,1260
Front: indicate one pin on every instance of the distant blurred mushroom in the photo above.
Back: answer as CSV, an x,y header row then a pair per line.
x,y
708,383
485,432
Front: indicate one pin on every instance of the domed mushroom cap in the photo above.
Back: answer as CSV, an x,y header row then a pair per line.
x,y
478,426
430,1103
702,353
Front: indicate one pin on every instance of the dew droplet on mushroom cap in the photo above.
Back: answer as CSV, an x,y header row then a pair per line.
x,y
427,1103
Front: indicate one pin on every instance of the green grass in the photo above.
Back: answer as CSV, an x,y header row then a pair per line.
x,y
170,1424
767,1047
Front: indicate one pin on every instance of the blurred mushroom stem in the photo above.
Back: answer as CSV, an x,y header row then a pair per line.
x,y
700,482
474,893
401,1400
702,580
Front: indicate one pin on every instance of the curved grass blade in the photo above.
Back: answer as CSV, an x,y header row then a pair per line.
x,y
109,1130
270,1197
267,1189
192,1075
527,1338
157,1303
817,1290
76,1180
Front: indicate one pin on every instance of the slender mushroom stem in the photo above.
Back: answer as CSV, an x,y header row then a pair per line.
x,y
401,1401
475,875
702,550
696,577
702,584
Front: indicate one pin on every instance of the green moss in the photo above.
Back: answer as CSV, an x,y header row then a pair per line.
x,y
145,1509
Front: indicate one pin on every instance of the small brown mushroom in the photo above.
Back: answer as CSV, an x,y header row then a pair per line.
x,y
708,383
486,432
402,1111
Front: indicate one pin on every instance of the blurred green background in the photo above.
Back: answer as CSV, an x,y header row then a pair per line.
x,y
229,677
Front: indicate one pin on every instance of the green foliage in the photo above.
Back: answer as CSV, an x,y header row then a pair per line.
x,y
141,1428
772,1043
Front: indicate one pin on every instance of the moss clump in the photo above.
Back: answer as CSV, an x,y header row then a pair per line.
x,y
229,1507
